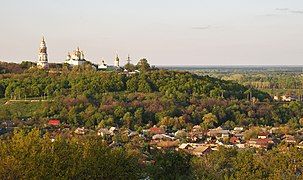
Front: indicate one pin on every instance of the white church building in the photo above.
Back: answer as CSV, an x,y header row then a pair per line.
x,y
76,58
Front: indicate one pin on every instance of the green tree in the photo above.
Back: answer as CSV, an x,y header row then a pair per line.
x,y
132,84
130,67
170,165
128,120
209,120
138,115
143,65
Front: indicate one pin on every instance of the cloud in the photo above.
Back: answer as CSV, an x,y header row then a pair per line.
x,y
297,12
282,9
268,15
201,27
294,11
279,12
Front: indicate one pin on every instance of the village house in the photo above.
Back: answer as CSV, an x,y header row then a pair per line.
x,y
156,130
54,122
263,135
113,130
195,149
240,145
162,137
219,143
133,134
196,128
201,150
276,98
240,136
234,140
300,131
80,131
103,132
289,139
260,143
169,144
300,145
186,146
288,98
238,129
197,134
218,133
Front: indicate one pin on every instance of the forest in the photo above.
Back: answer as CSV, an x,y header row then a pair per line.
x,y
276,80
84,97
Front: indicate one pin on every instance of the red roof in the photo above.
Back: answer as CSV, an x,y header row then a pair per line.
x,y
262,141
263,134
54,122
156,130
234,140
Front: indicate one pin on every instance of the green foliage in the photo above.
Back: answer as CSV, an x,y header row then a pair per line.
x,y
2,90
170,165
143,65
276,81
209,120
84,97
178,100
130,67
27,64
10,68
247,164
33,155
30,156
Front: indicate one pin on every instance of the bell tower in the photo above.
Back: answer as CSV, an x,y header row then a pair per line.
x,y
128,59
42,57
117,61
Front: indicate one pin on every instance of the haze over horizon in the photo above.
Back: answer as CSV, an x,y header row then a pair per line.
x,y
170,32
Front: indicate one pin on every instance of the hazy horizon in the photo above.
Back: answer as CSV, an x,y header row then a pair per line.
x,y
168,33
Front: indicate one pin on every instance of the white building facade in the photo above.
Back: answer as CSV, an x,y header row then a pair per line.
x,y
42,58
102,66
76,58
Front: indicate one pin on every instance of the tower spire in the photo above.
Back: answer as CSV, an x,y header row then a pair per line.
x,y
42,58
117,60
128,59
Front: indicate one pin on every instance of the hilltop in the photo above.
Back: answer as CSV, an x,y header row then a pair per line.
x,y
83,96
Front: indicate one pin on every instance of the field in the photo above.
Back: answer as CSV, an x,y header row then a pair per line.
x,y
19,109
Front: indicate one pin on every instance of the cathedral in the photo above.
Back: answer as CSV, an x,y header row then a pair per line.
x,y
42,58
76,58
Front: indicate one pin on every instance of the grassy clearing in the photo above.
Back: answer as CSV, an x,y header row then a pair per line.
x,y
20,109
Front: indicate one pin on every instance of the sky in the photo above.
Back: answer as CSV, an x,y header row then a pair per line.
x,y
166,32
